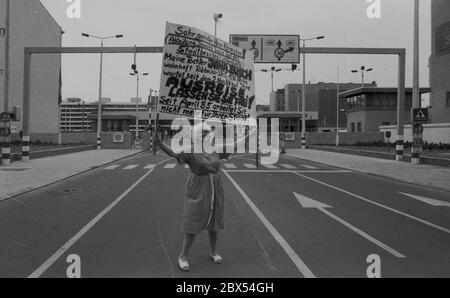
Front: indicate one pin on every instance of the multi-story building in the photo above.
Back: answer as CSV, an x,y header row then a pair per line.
x,y
370,108
80,116
440,61
31,25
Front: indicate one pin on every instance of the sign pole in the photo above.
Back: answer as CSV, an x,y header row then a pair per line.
x,y
155,131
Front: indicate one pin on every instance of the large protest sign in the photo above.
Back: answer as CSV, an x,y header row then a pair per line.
x,y
200,72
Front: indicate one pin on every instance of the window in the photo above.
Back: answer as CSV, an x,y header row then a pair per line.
x,y
448,99
386,123
359,127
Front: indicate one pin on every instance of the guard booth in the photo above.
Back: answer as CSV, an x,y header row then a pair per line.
x,y
115,130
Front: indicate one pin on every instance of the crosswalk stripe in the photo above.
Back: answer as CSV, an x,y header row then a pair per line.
x,y
230,166
131,167
170,166
289,167
249,166
310,167
270,166
112,167
149,167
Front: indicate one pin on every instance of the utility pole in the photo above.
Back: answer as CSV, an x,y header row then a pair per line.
x,y
416,149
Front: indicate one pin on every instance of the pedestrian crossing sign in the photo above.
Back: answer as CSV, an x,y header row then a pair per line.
x,y
420,115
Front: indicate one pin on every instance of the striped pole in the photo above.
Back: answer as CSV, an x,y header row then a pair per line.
x,y
25,148
400,148
99,142
415,158
303,141
6,154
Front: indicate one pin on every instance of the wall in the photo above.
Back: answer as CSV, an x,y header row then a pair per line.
x,y
32,25
107,141
371,120
79,138
314,138
439,65
433,133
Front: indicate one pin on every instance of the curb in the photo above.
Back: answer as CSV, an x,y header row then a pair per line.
x,y
21,192
376,175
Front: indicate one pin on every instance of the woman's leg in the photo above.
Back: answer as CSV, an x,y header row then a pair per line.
x,y
187,243
213,241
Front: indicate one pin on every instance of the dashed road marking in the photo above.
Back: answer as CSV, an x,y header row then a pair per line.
x,y
112,167
309,167
131,167
170,166
249,166
289,167
230,166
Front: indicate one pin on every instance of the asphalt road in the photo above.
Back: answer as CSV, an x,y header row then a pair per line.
x,y
294,219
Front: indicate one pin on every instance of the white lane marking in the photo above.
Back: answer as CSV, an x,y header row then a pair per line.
x,y
229,166
301,266
131,167
310,203
309,167
170,166
432,202
249,166
270,166
112,167
289,171
39,271
149,167
377,204
289,167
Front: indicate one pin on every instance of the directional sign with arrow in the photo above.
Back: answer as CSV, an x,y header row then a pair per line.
x,y
306,203
270,48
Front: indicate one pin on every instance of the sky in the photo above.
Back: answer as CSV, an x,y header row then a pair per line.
x,y
344,23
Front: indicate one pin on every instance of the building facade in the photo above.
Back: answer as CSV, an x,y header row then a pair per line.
x,y
370,108
31,25
321,105
440,61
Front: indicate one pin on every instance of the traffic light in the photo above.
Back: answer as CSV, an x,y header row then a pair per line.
x,y
294,67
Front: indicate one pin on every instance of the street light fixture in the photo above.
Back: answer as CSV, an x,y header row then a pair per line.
x,y
99,116
304,88
138,76
363,71
216,17
272,70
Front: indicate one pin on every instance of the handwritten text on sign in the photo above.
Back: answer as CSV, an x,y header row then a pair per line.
x,y
200,72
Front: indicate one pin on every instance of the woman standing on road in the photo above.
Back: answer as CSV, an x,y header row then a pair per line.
x,y
204,200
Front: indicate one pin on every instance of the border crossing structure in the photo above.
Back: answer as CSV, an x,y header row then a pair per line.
x,y
30,51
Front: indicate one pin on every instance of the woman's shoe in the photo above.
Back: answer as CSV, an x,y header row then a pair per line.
x,y
216,258
183,265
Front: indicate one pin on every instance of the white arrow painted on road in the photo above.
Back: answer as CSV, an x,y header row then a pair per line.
x,y
310,203
426,200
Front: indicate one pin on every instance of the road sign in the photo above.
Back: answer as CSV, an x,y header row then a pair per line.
x,y
420,115
5,132
5,117
418,128
270,48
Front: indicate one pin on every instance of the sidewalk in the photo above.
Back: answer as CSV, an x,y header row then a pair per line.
x,y
21,177
427,175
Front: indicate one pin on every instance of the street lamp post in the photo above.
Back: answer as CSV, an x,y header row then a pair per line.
x,y
363,71
304,89
99,116
138,76
216,17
